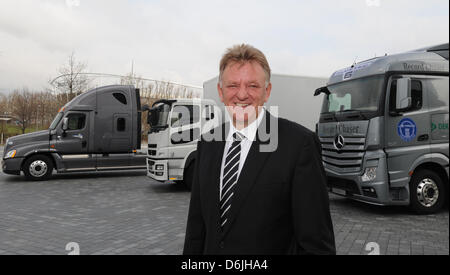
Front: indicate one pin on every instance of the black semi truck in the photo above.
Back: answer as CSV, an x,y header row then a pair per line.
x,y
98,130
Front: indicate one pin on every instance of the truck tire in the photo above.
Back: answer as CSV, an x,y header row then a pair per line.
x,y
427,192
38,167
188,177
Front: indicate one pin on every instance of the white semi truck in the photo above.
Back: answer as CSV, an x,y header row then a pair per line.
x,y
176,125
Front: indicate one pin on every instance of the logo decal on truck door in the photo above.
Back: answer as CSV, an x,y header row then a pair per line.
x,y
407,129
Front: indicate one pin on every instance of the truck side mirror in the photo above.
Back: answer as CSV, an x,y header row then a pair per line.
x,y
65,124
322,90
176,116
403,97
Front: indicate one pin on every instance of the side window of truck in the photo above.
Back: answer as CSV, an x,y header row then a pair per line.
x,y
416,95
121,124
185,115
121,98
76,121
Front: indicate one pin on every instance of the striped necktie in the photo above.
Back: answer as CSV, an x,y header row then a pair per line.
x,y
230,177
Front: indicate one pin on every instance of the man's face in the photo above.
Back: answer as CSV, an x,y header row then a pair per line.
x,y
244,91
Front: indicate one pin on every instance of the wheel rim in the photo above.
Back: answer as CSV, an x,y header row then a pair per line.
x,y
38,168
427,192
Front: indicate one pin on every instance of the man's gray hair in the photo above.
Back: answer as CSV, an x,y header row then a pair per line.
x,y
244,53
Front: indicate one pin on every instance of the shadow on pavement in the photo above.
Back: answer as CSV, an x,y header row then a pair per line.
x,y
161,187
77,175
371,209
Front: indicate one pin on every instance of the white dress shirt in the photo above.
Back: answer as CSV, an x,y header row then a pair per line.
x,y
250,134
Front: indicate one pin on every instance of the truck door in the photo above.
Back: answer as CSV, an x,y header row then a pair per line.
x,y
407,133
184,131
73,144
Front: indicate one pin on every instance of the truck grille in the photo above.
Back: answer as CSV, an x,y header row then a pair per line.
x,y
346,160
152,149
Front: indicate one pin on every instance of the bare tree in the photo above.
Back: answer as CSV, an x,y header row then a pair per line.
x,y
132,79
3,104
22,107
3,112
72,80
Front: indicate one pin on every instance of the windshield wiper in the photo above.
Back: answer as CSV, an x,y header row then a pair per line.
x,y
333,114
356,111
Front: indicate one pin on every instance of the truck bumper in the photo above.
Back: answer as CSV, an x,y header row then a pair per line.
x,y
12,166
376,192
157,169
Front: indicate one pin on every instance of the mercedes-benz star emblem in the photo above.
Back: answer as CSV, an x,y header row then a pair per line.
x,y
339,142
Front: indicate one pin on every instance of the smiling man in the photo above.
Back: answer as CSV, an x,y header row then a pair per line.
x,y
246,200
244,86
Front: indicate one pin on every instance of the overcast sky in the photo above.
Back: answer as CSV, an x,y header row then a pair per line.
x,y
182,41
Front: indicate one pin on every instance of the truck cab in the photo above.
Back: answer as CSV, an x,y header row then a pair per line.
x,y
98,130
175,127
384,130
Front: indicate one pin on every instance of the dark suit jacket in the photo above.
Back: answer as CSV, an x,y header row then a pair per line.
x,y
281,200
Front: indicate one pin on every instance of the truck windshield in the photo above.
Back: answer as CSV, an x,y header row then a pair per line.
x,y
56,121
355,95
159,115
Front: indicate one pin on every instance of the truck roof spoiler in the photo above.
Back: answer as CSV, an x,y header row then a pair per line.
x,y
441,50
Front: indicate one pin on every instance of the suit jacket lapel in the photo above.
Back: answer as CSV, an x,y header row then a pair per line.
x,y
253,164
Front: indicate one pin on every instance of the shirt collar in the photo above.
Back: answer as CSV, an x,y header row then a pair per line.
x,y
250,131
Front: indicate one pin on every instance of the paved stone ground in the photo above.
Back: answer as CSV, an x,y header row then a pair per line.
x,y
127,213
396,230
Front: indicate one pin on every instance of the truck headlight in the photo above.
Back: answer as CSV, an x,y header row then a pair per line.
x,y
159,167
10,154
369,174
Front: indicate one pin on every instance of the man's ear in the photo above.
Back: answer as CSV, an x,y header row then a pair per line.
x,y
220,90
268,90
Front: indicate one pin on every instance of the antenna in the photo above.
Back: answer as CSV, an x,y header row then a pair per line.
x,y
354,62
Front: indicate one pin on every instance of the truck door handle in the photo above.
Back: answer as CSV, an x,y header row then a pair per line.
x,y
423,137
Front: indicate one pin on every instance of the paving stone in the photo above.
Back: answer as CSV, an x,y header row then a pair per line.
x,y
128,213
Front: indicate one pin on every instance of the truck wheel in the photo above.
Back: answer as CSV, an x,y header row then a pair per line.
x,y
189,176
38,167
427,192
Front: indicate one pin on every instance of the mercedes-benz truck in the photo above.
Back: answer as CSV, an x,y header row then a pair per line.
x,y
98,130
384,130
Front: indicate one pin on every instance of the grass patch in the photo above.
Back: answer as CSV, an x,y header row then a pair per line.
x,y
10,130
